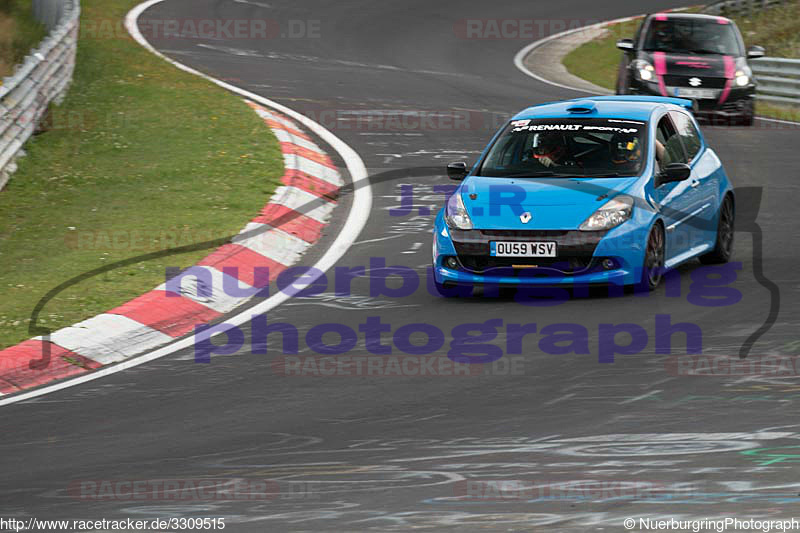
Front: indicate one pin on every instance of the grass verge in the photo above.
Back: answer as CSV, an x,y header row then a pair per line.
x,y
19,33
777,29
597,60
140,157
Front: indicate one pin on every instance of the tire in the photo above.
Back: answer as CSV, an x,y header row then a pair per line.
x,y
723,247
653,266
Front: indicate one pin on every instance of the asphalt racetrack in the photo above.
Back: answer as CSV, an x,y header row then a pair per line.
x,y
539,441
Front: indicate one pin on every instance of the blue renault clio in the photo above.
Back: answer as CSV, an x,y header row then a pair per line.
x,y
603,190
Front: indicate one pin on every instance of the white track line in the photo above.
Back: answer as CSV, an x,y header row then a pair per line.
x,y
520,56
356,220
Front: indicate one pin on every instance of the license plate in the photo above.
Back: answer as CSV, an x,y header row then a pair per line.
x,y
522,249
695,93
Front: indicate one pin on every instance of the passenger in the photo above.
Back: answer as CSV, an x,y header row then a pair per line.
x,y
626,152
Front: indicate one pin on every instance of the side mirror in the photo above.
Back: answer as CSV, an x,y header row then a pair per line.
x,y
457,171
626,45
754,52
675,172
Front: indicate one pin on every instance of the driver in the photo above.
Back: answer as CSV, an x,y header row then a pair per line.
x,y
626,151
663,36
551,149
669,36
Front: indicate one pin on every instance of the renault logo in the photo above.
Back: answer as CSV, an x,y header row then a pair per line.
x,y
695,82
525,217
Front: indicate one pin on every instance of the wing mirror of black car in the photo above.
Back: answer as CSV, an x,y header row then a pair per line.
x,y
754,52
675,172
457,171
626,45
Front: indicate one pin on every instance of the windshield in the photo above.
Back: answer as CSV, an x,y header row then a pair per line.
x,y
692,36
567,148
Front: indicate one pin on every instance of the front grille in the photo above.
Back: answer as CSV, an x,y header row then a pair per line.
x,y
570,242
575,251
728,107
529,266
733,107
683,81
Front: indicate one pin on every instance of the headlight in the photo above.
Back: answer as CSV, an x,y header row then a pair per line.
x,y
455,214
742,79
610,215
644,70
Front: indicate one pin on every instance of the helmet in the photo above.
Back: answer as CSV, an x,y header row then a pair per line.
x,y
625,148
550,145
662,32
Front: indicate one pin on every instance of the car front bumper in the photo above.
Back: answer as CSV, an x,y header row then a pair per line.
x,y
584,258
738,104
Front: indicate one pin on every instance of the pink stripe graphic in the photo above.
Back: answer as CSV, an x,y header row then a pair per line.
x,y
730,68
660,64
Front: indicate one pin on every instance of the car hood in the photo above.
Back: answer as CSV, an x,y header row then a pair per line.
x,y
703,66
553,203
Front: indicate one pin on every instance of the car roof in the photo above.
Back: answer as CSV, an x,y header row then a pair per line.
x,y
680,15
625,107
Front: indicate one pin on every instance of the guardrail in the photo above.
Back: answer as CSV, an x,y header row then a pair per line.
x,y
778,79
41,78
741,7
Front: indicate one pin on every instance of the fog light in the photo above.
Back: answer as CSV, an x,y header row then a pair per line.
x,y
451,262
608,264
